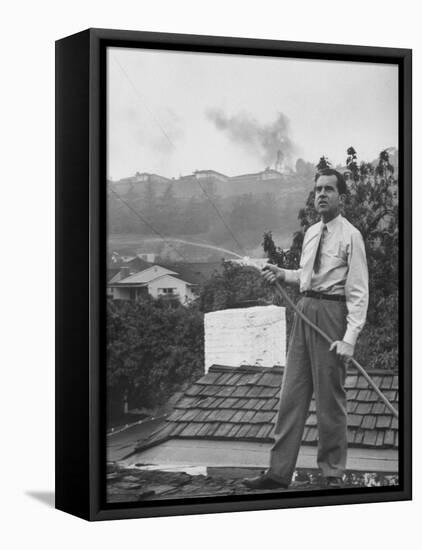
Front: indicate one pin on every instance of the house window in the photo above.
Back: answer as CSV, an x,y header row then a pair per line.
x,y
166,291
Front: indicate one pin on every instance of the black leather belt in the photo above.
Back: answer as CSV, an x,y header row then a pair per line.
x,y
322,296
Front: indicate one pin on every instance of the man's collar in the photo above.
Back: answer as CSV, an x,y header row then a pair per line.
x,y
332,224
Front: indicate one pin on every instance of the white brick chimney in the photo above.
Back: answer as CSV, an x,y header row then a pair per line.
x,y
246,336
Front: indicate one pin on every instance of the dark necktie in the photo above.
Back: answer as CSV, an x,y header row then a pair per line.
x,y
317,261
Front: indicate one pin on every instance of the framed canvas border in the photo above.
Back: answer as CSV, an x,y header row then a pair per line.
x,y
81,153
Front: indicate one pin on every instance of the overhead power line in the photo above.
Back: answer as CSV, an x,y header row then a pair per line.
x,y
148,224
140,96
154,118
221,218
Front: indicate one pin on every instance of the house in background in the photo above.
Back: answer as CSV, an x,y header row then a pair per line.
x,y
135,263
157,281
226,418
147,257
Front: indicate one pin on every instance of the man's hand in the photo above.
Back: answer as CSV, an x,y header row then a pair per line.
x,y
343,349
272,273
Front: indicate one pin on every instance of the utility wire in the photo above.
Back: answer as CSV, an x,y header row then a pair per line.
x,y
222,219
140,96
148,224
172,144
279,288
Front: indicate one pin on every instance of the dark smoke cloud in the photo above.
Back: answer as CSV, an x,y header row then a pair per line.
x,y
264,140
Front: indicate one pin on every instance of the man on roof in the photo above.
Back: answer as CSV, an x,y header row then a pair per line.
x,y
333,281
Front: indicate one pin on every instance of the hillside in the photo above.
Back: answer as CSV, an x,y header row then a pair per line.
x,y
208,208
194,207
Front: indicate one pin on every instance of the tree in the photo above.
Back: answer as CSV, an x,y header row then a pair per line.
x,y
384,165
236,284
243,215
150,200
352,164
323,163
154,347
168,211
372,207
304,168
193,219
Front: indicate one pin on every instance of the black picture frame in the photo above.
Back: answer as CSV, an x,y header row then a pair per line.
x,y
81,259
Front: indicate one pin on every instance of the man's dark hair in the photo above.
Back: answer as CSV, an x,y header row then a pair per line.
x,y
341,183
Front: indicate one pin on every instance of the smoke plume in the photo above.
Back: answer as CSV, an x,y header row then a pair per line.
x,y
268,141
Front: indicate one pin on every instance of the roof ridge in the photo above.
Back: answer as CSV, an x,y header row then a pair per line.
x,y
276,368
245,368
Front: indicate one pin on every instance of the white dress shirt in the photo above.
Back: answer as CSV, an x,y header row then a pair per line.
x,y
343,270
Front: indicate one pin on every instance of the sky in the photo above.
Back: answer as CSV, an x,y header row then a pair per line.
x,y
172,113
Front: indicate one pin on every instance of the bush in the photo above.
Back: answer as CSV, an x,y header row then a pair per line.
x,y
154,347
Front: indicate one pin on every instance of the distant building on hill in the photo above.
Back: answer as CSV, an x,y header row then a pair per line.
x,y
145,177
210,174
147,257
267,174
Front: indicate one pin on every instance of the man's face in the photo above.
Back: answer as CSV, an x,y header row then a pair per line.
x,y
327,197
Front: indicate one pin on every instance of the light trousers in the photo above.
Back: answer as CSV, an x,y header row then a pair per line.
x,y
312,369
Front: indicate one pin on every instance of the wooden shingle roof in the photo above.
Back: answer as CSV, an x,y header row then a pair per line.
x,y
241,404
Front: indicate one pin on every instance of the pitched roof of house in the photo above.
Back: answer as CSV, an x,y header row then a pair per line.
x,y
138,263
147,275
155,271
194,272
241,403
134,265
112,274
